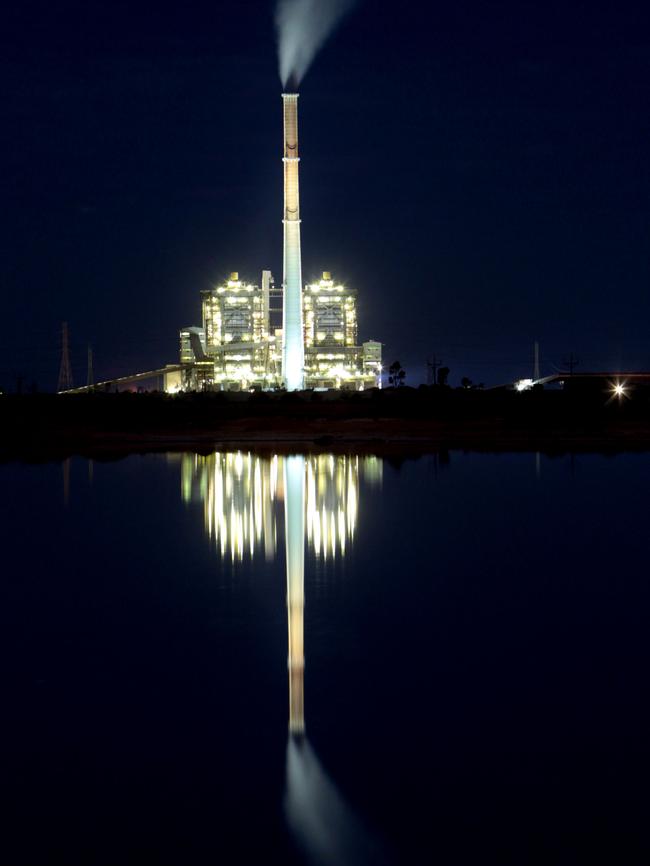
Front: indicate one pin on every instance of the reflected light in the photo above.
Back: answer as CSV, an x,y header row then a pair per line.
x,y
242,493
294,486
321,821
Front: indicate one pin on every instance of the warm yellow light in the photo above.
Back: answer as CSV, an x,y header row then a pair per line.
x,y
619,389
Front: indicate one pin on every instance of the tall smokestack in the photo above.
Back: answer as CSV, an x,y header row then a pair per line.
x,y
293,351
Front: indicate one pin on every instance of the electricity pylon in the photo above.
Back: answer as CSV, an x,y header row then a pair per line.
x,y
65,371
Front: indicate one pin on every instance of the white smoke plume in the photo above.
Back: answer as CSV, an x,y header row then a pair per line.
x,y
303,26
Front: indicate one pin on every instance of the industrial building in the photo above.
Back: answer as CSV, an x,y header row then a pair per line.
x,y
237,348
333,357
237,334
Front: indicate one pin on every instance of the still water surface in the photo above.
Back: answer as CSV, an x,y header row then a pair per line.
x,y
326,659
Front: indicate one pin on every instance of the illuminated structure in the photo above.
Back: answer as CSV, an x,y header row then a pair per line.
x,y
234,349
293,360
330,315
238,349
192,343
333,358
241,494
371,360
236,327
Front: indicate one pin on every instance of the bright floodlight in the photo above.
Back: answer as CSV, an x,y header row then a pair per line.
x,y
619,389
524,384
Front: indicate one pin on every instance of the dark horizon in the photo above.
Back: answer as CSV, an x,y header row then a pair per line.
x,y
478,175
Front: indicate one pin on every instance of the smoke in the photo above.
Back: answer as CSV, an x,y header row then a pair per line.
x,y
303,26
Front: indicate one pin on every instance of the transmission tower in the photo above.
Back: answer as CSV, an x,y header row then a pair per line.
x,y
65,371
571,362
91,380
432,369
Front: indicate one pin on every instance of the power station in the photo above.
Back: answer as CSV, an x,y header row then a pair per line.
x,y
239,347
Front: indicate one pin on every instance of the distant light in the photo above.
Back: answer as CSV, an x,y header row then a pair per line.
x,y
524,384
618,389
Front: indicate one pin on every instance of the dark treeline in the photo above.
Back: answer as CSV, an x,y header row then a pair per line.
x,y
462,417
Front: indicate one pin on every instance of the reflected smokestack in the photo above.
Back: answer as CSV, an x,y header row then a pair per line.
x,y
293,351
294,506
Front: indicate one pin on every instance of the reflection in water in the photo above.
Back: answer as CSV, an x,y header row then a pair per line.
x,y
294,522
66,481
321,821
241,494
238,492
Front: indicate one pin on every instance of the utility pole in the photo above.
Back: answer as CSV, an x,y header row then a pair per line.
x,y
65,371
571,363
535,361
91,380
432,369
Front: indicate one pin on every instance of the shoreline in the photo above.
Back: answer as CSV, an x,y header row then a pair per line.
x,y
115,445
39,428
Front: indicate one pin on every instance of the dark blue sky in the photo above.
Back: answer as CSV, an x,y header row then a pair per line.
x,y
478,171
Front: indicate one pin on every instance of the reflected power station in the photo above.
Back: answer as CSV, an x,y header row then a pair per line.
x,y
242,496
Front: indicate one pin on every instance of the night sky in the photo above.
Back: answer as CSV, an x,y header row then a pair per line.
x,y
478,171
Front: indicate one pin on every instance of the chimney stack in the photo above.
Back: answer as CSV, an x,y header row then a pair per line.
x,y
293,351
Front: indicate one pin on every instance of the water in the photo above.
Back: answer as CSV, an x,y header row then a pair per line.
x,y
326,660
